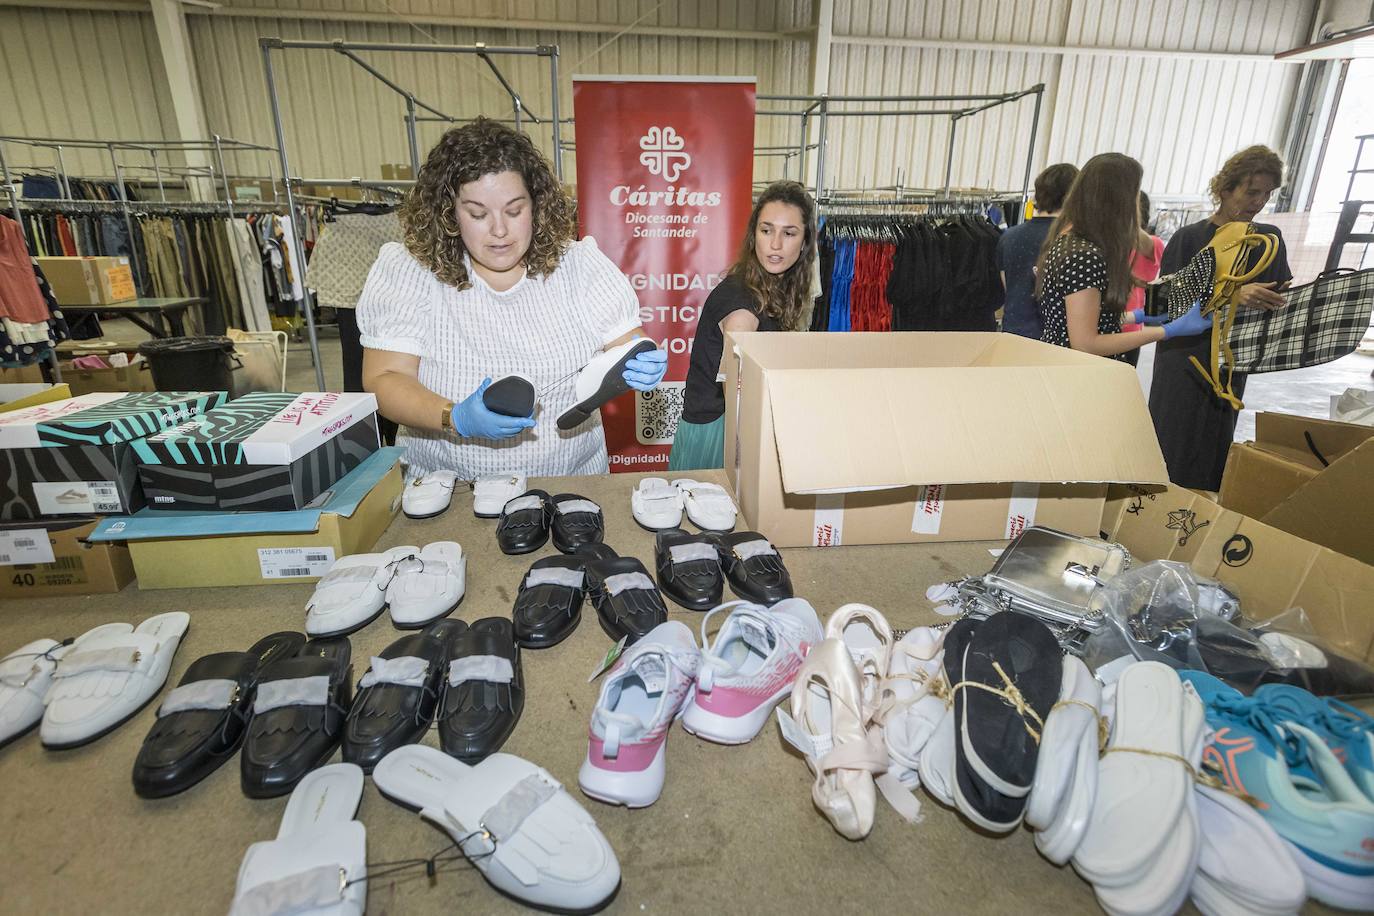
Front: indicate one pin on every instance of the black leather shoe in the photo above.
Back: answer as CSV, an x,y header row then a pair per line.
x,y
601,380
512,396
288,741
524,524
754,567
183,747
397,708
576,521
483,697
547,611
626,600
688,567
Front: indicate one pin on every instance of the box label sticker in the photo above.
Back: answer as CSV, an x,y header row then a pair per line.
x,y
81,497
930,505
294,562
1021,511
828,530
26,545
61,571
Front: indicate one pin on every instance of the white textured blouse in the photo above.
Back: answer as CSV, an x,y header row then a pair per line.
x,y
544,328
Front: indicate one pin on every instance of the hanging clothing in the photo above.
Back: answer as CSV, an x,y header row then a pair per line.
x,y
247,264
1195,428
24,343
20,298
345,252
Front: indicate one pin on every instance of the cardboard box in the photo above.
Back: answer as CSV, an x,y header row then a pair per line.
x,y
181,550
89,281
127,379
73,457
906,437
56,559
22,375
262,452
1269,569
1306,476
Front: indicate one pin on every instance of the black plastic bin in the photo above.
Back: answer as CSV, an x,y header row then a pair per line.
x,y
190,363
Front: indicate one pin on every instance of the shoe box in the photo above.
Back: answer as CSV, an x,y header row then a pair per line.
x,y
264,451
195,550
908,437
53,558
1309,477
75,457
17,396
1271,570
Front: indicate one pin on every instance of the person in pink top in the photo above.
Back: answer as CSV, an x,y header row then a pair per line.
x,y
1145,260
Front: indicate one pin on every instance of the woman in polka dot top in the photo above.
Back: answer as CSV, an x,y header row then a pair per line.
x,y
1083,277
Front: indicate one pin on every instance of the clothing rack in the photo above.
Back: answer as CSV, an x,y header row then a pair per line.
x,y
824,107
349,50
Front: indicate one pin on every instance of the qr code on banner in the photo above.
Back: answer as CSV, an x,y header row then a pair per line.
x,y
656,413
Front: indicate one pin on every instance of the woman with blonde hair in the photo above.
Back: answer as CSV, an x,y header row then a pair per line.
x,y
490,283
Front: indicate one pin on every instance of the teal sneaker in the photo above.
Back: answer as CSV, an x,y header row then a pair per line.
x,y
1325,819
1347,731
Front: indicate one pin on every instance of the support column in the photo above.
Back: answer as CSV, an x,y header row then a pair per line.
x,y
821,40
183,84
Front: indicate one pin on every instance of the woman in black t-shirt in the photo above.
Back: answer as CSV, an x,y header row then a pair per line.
x,y
1083,278
767,289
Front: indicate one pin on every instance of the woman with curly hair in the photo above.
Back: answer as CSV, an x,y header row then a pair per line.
x,y
1194,426
490,283
768,288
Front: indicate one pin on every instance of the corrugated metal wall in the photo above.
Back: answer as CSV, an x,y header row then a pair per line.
x,y
1179,116
98,73
74,73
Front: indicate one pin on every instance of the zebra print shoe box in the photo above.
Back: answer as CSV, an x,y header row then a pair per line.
x,y
265,451
74,457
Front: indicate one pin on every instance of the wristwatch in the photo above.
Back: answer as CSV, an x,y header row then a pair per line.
x,y
446,417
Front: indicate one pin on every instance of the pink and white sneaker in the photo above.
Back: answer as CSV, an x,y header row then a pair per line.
x,y
749,668
642,694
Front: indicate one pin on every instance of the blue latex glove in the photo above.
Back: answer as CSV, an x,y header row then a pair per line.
x,y
645,371
473,420
1138,316
1189,324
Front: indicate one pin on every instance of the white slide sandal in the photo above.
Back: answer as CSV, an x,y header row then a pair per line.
x,y
708,506
352,593
1146,790
430,495
107,676
516,824
1079,705
317,865
1244,867
491,493
427,585
1060,840
656,504
25,675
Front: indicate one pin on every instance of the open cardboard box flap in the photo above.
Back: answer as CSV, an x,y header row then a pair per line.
x,y
1331,508
961,408
1307,438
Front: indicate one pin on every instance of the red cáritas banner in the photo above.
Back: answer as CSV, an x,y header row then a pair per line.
x,y
665,171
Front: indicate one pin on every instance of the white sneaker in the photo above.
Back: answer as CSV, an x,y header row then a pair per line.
x,y
749,668
490,494
640,697
428,496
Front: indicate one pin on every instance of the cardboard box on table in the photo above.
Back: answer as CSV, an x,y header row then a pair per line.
x,y
89,281
266,451
185,550
73,457
45,559
1312,478
905,437
128,379
1269,569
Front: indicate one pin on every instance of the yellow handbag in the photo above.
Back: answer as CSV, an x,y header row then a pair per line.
x,y
1231,247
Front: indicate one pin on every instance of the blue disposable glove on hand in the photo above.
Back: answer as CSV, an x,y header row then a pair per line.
x,y
645,371
473,420
1138,316
1189,324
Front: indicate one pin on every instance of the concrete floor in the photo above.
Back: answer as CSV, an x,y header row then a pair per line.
x,y
1305,392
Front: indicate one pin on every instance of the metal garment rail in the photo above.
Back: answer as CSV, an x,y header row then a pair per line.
x,y
825,107
348,49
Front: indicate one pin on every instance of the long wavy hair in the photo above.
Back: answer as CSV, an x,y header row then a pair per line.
x,y
1103,206
464,154
785,296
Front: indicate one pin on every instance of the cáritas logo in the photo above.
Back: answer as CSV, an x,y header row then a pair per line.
x,y
664,153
